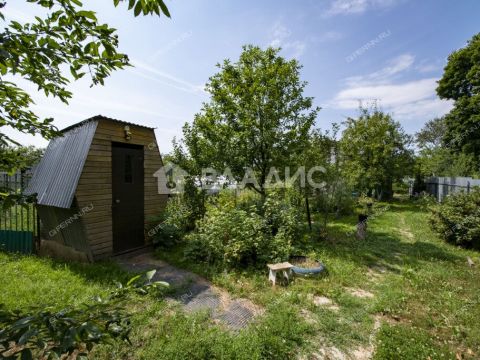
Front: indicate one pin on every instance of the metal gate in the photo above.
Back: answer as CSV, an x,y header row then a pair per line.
x,y
19,223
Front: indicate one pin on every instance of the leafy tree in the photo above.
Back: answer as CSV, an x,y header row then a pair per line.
x,y
321,151
68,37
435,158
431,135
18,157
375,153
257,116
461,82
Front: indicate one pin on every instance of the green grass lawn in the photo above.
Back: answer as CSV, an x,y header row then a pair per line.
x,y
420,299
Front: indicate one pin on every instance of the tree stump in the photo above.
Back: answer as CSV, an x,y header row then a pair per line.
x,y
362,226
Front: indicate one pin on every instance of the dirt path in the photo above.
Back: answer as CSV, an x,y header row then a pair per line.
x,y
195,293
405,229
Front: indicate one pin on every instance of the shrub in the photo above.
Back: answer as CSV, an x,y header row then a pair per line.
x,y
457,219
193,198
231,236
169,228
179,216
73,332
334,198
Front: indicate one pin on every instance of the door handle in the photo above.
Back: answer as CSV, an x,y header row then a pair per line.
x,y
117,201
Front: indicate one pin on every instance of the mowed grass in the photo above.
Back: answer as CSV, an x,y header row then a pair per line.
x,y
420,299
30,281
426,299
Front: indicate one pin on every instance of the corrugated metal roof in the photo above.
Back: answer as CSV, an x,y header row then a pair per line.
x,y
56,177
101,117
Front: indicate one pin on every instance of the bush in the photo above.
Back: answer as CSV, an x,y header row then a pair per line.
x,y
335,198
169,228
179,216
72,333
231,236
457,219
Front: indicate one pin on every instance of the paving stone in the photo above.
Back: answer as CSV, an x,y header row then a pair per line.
x,y
196,293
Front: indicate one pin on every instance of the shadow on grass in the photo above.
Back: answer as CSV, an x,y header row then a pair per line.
x,y
105,273
382,248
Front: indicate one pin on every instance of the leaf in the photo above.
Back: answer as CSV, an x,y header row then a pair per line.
x,y
133,279
87,14
138,8
150,274
26,354
26,336
22,323
164,8
53,356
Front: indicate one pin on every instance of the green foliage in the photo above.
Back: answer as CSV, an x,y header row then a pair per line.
x,y
68,37
178,335
14,158
232,236
257,117
431,135
334,194
335,197
460,82
366,203
169,228
438,158
445,162
71,332
457,219
194,199
375,153
180,215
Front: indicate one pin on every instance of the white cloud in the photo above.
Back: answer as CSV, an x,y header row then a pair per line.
x,y
281,37
394,67
426,66
410,99
389,94
345,7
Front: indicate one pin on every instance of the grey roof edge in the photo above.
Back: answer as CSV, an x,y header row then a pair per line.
x,y
101,117
56,177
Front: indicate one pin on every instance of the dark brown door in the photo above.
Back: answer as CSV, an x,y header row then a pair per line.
x,y
127,191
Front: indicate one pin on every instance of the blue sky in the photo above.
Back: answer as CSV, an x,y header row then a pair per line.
x,y
392,51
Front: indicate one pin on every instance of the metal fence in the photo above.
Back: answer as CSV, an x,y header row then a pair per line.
x,y
442,186
19,227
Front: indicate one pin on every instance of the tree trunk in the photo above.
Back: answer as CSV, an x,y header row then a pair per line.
x,y
307,205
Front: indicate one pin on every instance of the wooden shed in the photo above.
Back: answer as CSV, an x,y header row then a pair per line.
x,y
96,188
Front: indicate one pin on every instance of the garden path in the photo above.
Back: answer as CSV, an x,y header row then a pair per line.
x,y
195,293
